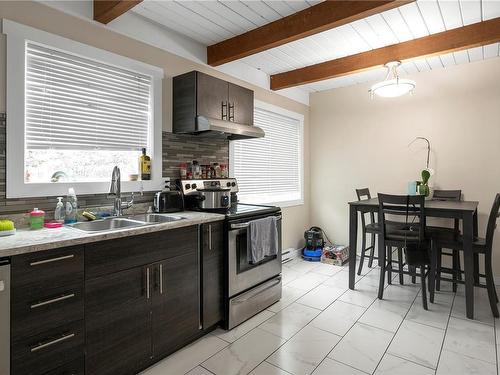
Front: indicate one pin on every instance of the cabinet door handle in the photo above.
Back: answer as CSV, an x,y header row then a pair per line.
x,y
37,263
200,237
46,344
147,283
224,113
161,278
210,237
231,116
53,300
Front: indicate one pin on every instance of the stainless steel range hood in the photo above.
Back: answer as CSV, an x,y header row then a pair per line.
x,y
220,128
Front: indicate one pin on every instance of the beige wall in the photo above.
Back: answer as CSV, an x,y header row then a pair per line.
x,y
358,142
45,18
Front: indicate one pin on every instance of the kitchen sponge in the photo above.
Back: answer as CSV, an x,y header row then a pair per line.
x,y
6,225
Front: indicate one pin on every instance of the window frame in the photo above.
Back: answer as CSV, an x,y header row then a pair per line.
x,y
297,116
17,37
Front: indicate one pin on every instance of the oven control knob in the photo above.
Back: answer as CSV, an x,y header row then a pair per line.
x,y
228,184
188,186
233,184
194,186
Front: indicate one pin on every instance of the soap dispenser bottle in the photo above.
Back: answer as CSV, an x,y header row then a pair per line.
x,y
71,207
59,212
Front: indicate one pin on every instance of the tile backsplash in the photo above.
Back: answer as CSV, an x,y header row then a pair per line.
x,y
184,148
177,148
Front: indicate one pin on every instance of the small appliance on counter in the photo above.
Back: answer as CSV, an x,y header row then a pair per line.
x,y
168,201
210,195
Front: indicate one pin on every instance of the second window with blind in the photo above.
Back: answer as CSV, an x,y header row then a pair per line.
x,y
270,170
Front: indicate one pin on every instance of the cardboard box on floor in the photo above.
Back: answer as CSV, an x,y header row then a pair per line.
x,y
336,255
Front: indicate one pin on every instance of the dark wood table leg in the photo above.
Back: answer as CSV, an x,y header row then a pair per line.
x,y
468,228
475,224
476,256
353,241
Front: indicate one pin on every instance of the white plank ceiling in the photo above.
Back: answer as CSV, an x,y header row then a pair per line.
x,y
212,21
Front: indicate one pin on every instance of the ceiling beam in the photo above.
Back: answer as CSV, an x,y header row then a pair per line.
x,y
106,11
474,35
320,17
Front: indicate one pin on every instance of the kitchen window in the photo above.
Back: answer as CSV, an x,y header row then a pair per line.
x,y
84,110
270,170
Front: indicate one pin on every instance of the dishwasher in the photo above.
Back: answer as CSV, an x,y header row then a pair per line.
x,y
4,316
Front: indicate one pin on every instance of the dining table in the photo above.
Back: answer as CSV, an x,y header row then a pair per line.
x,y
465,211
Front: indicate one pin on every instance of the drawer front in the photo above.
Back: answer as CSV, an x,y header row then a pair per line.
x,y
76,367
49,350
49,309
49,269
247,304
111,256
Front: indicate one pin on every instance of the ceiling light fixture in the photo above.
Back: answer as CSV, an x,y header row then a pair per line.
x,y
392,87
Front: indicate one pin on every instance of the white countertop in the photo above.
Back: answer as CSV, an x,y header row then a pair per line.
x,y
28,241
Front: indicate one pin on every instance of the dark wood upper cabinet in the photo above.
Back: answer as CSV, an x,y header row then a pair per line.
x,y
213,273
199,94
240,107
211,97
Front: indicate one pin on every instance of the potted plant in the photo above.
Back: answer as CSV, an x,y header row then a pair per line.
x,y
423,186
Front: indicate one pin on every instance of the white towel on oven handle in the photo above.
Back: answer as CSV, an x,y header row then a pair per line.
x,y
262,236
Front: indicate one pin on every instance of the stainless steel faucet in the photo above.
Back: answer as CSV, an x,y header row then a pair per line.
x,y
115,191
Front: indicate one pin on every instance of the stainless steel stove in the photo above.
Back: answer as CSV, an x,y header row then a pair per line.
x,y
250,288
239,210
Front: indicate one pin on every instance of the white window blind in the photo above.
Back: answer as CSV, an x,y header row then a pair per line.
x,y
74,103
269,169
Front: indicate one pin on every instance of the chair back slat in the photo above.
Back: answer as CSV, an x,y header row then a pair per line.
x,y
492,222
364,194
411,207
447,195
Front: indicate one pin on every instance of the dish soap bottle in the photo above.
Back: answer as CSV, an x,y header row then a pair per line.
x,y
71,207
145,166
59,212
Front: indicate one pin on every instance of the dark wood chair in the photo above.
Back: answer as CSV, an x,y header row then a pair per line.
x,y
455,270
410,235
480,246
367,228
373,229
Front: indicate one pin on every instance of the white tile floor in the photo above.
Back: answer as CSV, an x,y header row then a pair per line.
x,y
321,327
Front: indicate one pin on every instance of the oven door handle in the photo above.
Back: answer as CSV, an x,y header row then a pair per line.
x,y
245,225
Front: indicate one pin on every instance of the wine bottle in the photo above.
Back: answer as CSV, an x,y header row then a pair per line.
x,y
145,166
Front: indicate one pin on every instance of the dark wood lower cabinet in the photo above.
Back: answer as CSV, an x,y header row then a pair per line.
x,y
47,324
76,367
136,316
212,269
118,322
48,350
176,304
120,313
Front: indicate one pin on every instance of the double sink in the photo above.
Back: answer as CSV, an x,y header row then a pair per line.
x,y
116,223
